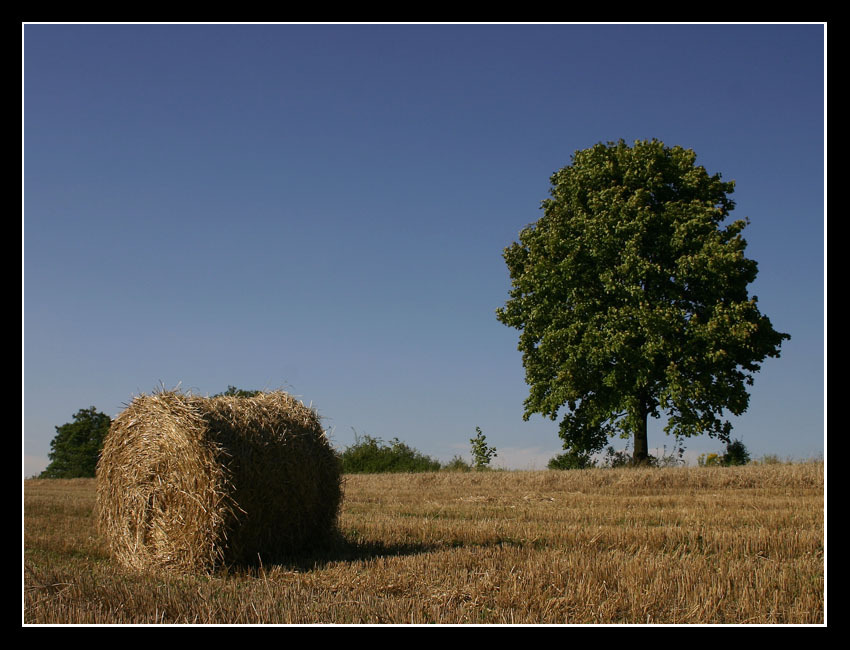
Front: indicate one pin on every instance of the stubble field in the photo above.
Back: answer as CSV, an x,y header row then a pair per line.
x,y
691,545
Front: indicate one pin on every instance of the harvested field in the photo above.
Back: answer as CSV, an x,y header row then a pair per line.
x,y
738,545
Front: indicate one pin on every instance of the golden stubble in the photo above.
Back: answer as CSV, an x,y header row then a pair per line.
x,y
681,546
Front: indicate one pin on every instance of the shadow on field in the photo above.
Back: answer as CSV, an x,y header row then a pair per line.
x,y
343,549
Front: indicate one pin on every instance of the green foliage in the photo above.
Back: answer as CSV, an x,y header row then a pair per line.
x,y
482,454
709,460
457,464
631,299
77,445
736,454
572,459
232,391
370,455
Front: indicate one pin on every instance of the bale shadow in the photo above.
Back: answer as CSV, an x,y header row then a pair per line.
x,y
339,549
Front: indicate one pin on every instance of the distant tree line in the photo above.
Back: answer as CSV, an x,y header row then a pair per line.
x,y
76,448
77,445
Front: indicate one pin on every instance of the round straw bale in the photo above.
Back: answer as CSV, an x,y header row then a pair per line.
x,y
190,482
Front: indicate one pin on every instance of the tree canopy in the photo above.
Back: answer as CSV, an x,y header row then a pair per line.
x,y
631,297
76,447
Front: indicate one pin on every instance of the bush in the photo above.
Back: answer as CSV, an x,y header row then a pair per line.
x,y
370,455
457,464
736,454
709,460
572,460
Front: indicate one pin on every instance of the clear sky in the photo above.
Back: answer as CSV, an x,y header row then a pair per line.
x,y
323,209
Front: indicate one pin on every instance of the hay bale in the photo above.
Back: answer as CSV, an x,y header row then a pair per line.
x,y
190,483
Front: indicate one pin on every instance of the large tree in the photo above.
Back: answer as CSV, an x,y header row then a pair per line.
x,y
77,445
632,300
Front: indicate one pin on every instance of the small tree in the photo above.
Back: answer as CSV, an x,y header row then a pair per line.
x,y
482,454
77,445
736,454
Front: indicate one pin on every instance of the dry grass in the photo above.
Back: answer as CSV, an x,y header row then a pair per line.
x,y
688,545
188,483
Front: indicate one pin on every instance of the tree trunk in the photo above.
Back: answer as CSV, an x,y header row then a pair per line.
x,y
641,455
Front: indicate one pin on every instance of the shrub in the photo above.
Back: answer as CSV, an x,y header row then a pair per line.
x,y
457,464
572,459
736,454
370,455
709,460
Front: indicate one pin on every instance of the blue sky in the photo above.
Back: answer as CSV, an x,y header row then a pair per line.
x,y
323,208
